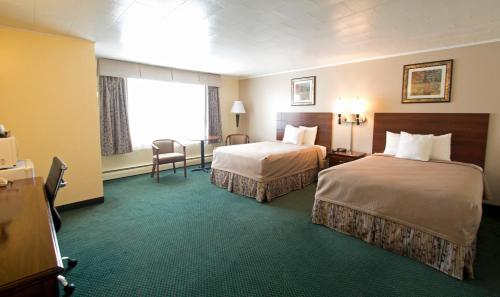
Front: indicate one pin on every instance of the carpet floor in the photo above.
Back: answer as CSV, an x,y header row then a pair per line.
x,y
186,237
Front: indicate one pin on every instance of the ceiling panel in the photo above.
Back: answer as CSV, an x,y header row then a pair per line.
x,y
246,38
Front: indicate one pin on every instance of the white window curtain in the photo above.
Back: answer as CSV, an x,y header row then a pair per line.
x,y
159,110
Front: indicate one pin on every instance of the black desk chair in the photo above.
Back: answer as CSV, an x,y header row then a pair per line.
x,y
52,185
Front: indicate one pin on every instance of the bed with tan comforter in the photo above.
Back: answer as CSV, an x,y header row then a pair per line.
x,y
265,170
428,211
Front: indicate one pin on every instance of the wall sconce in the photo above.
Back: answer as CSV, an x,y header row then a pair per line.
x,y
350,111
340,109
238,109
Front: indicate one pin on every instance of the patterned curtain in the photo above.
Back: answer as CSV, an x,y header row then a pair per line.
x,y
115,132
213,122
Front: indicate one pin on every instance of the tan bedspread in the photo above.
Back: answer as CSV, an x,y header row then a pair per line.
x,y
441,198
265,161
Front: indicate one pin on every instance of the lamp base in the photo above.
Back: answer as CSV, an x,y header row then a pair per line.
x,y
237,120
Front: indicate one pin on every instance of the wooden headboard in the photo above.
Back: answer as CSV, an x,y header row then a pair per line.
x,y
469,131
309,119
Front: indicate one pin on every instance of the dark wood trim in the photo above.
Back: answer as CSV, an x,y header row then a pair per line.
x,y
34,282
81,204
355,155
338,158
323,120
491,209
469,131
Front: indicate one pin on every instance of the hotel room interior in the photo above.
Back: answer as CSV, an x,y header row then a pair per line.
x,y
249,148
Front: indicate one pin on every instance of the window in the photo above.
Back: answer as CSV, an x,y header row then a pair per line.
x,y
159,109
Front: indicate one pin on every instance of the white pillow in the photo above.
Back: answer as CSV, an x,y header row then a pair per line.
x,y
309,134
441,147
415,146
293,135
391,143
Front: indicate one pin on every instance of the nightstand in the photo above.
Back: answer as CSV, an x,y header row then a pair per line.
x,y
337,158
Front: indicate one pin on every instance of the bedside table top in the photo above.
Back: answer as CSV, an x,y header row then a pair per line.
x,y
348,154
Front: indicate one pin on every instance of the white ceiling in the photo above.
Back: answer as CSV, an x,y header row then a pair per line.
x,y
253,37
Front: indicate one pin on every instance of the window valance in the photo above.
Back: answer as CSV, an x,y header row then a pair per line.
x,y
117,68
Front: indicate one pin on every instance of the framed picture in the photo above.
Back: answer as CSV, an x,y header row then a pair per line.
x,y
427,82
304,91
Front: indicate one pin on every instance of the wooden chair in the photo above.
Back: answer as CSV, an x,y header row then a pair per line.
x,y
164,153
237,139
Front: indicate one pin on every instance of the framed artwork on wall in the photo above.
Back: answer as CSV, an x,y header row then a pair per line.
x,y
427,82
304,91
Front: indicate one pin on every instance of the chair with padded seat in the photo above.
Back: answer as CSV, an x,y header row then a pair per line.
x,y
164,152
232,139
53,183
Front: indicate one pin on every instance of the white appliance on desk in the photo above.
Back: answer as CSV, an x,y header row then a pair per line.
x,y
23,169
11,168
8,152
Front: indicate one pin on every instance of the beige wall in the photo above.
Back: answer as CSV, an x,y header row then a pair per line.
x,y
228,92
48,100
474,89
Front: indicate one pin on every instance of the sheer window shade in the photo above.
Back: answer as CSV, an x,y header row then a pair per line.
x,y
160,110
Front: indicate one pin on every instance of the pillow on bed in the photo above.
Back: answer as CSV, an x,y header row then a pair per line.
x,y
391,143
441,147
293,135
415,146
309,134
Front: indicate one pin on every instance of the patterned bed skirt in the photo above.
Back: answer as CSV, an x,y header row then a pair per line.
x,y
446,256
262,191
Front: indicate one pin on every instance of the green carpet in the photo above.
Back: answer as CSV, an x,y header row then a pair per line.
x,y
190,238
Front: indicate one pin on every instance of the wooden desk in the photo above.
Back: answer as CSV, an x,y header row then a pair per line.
x,y
29,254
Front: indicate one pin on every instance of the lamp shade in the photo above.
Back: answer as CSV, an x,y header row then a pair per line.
x,y
358,106
340,106
238,107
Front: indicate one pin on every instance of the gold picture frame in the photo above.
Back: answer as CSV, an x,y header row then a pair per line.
x,y
427,82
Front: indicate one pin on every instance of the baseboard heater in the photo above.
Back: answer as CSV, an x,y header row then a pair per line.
x,y
147,165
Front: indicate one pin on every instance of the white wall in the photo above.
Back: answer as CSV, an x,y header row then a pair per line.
x,y
474,90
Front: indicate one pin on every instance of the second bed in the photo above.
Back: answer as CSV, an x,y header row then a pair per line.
x,y
266,170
